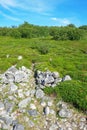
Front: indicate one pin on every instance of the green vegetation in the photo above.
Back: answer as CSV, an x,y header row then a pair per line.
x,y
26,30
37,45
73,92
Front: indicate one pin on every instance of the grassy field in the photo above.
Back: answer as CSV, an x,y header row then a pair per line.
x,y
66,57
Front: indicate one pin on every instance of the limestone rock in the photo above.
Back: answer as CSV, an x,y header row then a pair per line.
x,y
65,113
24,103
39,93
1,106
46,110
67,77
32,113
13,87
18,127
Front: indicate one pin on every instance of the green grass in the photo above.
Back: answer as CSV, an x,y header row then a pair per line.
x,y
66,57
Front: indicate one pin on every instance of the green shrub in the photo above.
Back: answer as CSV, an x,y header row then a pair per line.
x,y
43,49
67,33
74,92
14,33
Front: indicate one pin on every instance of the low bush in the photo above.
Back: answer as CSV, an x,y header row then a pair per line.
x,y
74,92
43,49
67,33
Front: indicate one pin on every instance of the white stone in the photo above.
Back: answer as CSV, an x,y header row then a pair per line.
x,y
67,77
47,110
20,93
52,112
20,57
56,75
43,104
53,127
32,106
49,103
83,119
24,103
27,93
39,93
65,113
13,87
1,106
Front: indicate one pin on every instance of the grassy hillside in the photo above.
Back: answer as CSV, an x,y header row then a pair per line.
x,y
63,56
66,57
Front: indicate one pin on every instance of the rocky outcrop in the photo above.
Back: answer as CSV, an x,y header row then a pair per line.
x,y
50,79
24,105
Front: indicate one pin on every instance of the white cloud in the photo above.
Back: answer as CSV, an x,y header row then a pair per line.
x,y
8,3
61,21
9,17
38,6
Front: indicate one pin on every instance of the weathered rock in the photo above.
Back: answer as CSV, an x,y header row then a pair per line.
x,y
24,103
65,113
13,87
53,127
10,76
18,127
4,79
31,123
67,77
46,110
52,112
32,92
27,93
49,103
32,106
43,104
8,120
21,76
20,93
61,105
1,106
13,69
39,93
49,80
9,106
32,113
55,75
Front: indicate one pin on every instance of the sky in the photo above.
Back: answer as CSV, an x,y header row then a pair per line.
x,y
43,12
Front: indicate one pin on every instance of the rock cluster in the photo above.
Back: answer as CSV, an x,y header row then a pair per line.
x,y
23,106
15,75
50,79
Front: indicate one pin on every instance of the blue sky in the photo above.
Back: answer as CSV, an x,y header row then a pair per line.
x,y
43,12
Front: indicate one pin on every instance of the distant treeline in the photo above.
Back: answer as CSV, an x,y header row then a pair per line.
x,y
26,30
